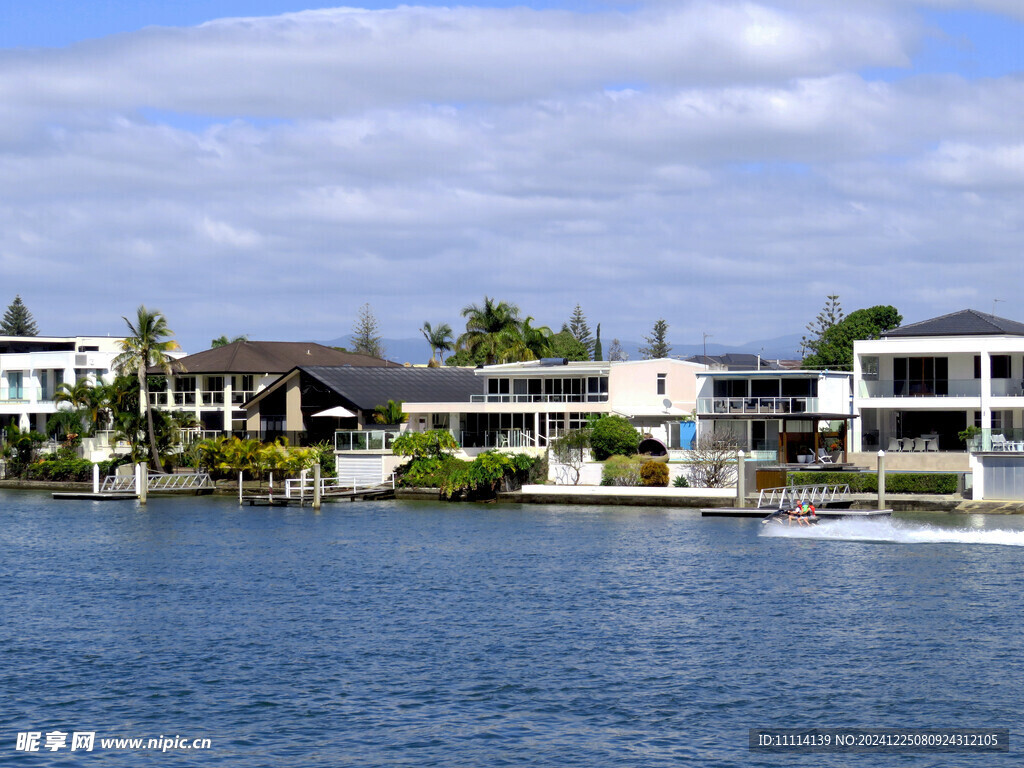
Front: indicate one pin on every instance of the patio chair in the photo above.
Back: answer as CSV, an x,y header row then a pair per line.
x,y
824,456
919,445
894,445
998,443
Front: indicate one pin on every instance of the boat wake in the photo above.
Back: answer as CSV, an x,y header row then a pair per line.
x,y
894,532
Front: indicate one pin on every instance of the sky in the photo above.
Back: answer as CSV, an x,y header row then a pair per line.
x,y
268,167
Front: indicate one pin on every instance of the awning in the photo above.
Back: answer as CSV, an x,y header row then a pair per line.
x,y
338,412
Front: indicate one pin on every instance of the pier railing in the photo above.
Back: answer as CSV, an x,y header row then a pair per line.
x,y
815,494
159,483
303,487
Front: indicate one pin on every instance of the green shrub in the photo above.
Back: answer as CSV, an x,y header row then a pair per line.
x,y
621,470
680,482
62,469
481,478
613,436
654,474
895,482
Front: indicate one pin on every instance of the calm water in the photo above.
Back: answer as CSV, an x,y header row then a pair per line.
x,y
398,634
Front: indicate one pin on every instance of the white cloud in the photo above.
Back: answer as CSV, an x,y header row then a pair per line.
x,y
702,161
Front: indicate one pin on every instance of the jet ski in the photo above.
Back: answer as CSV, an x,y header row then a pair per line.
x,y
792,514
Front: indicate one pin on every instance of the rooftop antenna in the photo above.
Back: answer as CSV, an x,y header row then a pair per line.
x,y
994,301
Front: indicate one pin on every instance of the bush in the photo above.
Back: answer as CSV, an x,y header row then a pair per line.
x,y
621,470
654,474
481,478
680,482
895,482
613,436
67,470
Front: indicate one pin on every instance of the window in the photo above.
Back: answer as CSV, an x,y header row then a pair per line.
x,y
999,365
84,348
920,376
869,368
14,385
661,383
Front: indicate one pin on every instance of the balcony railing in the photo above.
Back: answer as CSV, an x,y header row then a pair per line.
x,y
937,388
20,394
239,396
595,397
184,398
710,405
1007,388
364,439
158,398
1006,440
213,397
497,438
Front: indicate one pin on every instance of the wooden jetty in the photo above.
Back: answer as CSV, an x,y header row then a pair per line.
x,y
299,491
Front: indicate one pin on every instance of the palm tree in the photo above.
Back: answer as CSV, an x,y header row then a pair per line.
x,y
490,329
390,413
147,346
535,340
440,340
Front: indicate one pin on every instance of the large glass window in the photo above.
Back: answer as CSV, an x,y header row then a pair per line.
x,y
1000,366
920,376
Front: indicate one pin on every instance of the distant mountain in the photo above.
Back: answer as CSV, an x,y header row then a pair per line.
x,y
416,351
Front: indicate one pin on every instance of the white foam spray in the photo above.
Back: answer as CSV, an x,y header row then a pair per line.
x,y
888,530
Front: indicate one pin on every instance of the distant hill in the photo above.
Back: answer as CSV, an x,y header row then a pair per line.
x,y
416,351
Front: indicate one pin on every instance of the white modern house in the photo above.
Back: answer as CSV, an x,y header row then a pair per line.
x,y
526,405
32,368
788,416
920,385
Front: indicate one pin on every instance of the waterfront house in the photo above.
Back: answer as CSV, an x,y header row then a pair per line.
x,y
788,416
214,385
32,368
920,385
528,404
335,404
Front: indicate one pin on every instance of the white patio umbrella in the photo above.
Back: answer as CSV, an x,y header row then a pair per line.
x,y
338,412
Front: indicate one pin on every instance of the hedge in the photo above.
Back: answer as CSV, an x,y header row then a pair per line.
x,y
895,482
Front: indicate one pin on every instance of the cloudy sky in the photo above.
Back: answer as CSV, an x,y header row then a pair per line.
x,y
264,168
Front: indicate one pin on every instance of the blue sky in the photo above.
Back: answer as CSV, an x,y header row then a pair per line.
x,y
267,167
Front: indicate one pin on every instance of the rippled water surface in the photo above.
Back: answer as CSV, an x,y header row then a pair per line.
x,y
401,634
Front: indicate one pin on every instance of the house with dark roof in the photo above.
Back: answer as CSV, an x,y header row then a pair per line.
x,y
920,385
335,404
215,384
311,402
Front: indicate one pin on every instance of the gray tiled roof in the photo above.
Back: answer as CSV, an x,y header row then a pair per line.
x,y
269,357
966,322
367,388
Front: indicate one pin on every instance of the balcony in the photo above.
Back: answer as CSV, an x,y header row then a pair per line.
x,y
213,397
713,405
498,438
365,439
20,394
239,396
936,388
184,398
999,440
596,397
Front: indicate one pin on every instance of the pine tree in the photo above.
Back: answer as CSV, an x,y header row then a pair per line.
x,y
580,330
657,343
18,320
366,338
831,314
598,351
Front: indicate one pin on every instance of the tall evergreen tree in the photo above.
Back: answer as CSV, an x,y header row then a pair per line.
x,y
366,338
18,320
598,351
657,343
831,314
580,330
